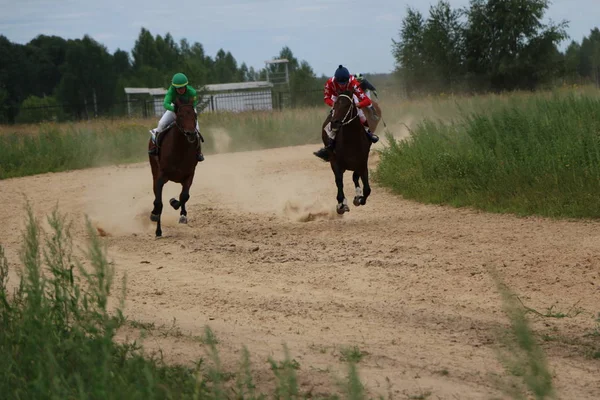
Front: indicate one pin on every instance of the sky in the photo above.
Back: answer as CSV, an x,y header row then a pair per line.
x,y
325,33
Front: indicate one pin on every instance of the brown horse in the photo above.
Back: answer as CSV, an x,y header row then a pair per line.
x,y
351,151
176,161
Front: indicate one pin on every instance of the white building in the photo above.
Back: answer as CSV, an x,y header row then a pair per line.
x,y
235,97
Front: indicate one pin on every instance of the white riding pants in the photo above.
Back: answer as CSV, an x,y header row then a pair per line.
x,y
168,117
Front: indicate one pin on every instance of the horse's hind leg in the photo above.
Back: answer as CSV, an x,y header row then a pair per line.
x,y
184,196
158,205
358,190
366,187
342,205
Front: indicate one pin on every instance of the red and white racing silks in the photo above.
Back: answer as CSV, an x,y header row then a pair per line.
x,y
332,91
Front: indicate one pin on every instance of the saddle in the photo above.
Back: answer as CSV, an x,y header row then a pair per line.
x,y
160,136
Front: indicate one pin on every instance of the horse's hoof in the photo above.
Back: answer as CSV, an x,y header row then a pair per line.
x,y
342,208
154,217
183,219
357,201
174,203
363,201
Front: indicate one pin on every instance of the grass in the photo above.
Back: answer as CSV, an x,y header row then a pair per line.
x,y
53,147
526,154
523,358
57,335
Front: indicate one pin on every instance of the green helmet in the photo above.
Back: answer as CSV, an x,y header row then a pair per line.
x,y
179,80
358,77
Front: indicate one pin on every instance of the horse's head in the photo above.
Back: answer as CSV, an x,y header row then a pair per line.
x,y
186,119
344,111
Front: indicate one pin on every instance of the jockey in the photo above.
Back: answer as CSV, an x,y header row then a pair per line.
x,y
179,89
368,88
365,85
341,81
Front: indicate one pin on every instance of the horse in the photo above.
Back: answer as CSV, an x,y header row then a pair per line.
x,y
351,150
176,161
374,122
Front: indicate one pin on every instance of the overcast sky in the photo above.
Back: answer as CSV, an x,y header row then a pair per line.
x,y
325,33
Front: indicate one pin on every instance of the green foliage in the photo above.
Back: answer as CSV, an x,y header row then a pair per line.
x,y
529,155
450,53
52,149
521,356
61,147
57,334
88,81
35,109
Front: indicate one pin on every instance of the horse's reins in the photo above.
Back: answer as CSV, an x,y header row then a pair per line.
x,y
344,122
187,135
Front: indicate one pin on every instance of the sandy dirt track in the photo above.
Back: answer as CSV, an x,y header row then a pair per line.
x,y
264,260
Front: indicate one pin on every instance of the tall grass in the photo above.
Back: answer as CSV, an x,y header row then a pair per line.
x,y
522,357
50,147
61,147
532,154
57,335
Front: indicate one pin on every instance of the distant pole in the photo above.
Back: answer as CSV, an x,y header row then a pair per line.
x,y
95,104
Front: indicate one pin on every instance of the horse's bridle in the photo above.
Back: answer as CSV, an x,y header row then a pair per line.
x,y
189,135
349,112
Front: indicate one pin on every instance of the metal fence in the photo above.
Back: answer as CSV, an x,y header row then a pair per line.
x,y
265,100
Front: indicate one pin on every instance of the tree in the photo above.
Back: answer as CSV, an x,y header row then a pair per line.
x,y
15,77
144,51
225,67
590,55
38,109
507,45
47,55
88,82
443,47
408,51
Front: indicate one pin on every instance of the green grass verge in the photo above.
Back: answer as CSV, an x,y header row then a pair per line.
x,y
34,149
535,154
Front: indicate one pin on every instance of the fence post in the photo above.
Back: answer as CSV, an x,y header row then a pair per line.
x,y
279,100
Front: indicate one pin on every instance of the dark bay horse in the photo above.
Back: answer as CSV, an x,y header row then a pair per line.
x,y
351,151
176,161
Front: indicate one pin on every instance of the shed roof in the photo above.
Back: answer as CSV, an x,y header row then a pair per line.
x,y
219,87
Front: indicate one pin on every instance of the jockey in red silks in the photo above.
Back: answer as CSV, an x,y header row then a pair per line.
x,y
340,82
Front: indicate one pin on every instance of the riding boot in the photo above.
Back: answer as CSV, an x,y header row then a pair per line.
x,y
153,151
372,137
325,152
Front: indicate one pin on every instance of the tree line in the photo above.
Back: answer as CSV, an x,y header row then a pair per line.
x,y
491,45
55,78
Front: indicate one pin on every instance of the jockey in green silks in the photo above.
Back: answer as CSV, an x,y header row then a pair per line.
x,y
179,89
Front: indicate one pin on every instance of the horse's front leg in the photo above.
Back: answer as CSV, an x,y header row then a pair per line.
x,y
342,205
158,205
184,196
358,190
366,187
